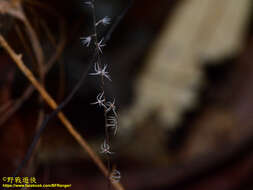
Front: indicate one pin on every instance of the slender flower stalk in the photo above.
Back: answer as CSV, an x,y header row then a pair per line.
x,y
110,114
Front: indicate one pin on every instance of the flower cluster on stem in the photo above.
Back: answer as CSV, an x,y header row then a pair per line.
x,y
100,70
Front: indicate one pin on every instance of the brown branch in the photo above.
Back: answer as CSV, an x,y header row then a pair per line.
x,y
30,89
59,50
25,45
5,116
36,47
18,60
48,33
14,8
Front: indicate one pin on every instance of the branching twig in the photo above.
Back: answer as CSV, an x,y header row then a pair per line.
x,y
64,120
18,103
26,46
14,8
59,50
18,60
30,89
76,88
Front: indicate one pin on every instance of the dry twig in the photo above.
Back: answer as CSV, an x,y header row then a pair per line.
x,y
18,60
30,89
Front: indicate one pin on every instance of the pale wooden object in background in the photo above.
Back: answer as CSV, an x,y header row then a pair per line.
x,y
170,82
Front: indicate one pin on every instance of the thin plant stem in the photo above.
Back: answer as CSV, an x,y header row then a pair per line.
x,y
99,163
97,52
30,89
18,60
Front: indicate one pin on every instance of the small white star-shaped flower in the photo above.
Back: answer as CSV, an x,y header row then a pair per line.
x,y
100,71
100,45
110,106
113,123
105,21
115,176
89,3
86,41
105,148
100,100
